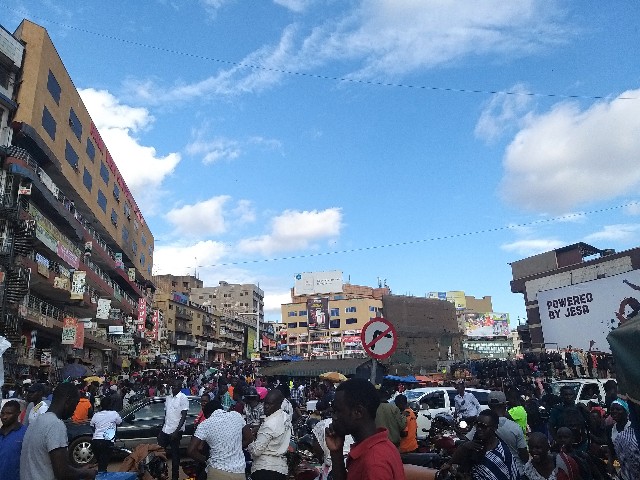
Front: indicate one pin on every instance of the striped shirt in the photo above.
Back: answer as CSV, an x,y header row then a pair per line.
x,y
497,464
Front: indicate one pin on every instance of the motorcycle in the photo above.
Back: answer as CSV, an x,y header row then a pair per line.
x,y
146,462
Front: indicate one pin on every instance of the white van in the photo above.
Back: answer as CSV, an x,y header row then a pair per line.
x,y
434,400
587,389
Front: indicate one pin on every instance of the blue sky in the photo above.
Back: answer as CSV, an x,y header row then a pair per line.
x,y
259,135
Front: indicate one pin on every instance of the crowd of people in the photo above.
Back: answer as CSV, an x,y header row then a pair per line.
x,y
526,433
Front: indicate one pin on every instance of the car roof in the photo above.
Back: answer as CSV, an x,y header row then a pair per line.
x,y
584,380
448,389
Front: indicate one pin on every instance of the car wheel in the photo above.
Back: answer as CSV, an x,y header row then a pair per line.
x,y
80,453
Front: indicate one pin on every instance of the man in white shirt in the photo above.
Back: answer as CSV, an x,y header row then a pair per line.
x,y
175,407
466,404
272,441
226,434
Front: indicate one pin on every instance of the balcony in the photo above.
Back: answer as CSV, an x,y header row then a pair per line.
x,y
182,327
183,312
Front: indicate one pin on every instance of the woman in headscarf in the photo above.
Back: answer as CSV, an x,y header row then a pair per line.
x,y
624,443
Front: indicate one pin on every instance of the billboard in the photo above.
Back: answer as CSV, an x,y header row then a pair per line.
x,y
486,324
582,315
313,283
318,312
457,297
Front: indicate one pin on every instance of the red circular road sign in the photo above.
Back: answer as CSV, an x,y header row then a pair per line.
x,y
379,338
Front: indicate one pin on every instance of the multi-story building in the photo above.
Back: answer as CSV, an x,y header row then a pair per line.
x,y
348,312
72,238
11,52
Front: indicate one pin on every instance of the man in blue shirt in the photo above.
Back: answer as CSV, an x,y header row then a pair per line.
x,y
11,436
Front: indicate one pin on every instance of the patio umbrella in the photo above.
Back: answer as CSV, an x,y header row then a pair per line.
x,y
93,379
334,377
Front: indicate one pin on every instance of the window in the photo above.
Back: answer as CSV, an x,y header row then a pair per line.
x,y
302,324
125,234
91,150
372,309
116,192
127,211
351,321
143,240
135,222
149,269
48,123
54,87
134,247
87,180
170,308
302,313
292,325
74,123
104,173
334,323
114,217
71,156
335,312
4,77
142,259
350,310
292,314
102,201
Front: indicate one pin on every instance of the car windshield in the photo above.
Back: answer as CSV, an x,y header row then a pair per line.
x,y
555,387
412,395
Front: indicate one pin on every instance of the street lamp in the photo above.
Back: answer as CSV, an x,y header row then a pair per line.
x,y
256,344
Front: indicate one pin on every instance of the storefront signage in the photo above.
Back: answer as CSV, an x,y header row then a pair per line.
x,y
68,256
69,331
78,284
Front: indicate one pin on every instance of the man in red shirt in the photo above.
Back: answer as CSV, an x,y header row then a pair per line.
x,y
372,456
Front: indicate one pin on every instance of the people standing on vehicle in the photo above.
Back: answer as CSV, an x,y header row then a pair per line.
x,y
623,442
373,456
104,424
271,441
569,414
11,437
176,406
226,434
466,404
44,453
486,456
409,437
389,416
37,403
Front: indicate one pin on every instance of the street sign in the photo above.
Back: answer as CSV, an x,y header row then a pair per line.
x,y
379,338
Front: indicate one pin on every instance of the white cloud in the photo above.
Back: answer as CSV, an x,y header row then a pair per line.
x,y
214,149
274,299
202,218
526,248
504,111
244,212
295,230
383,38
141,166
633,208
569,157
183,259
294,5
623,232
212,6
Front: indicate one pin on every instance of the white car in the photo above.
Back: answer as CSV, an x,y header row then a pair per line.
x,y
430,401
587,389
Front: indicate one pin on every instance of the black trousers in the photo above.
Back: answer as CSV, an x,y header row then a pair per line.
x,y
267,475
102,451
165,440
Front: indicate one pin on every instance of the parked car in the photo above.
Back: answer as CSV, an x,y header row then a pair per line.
x,y
587,389
141,423
430,401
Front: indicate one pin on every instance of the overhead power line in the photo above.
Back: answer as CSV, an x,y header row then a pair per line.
x,y
316,75
418,241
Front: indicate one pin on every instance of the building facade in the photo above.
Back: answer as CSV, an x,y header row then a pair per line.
x,y
76,253
347,311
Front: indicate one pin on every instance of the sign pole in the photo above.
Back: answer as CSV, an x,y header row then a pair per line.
x,y
374,365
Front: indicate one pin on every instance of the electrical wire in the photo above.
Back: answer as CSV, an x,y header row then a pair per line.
x,y
319,76
419,241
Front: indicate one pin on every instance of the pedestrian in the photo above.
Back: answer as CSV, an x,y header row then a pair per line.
x,y
204,399
569,414
372,456
104,424
44,454
226,434
37,403
11,437
176,406
466,404
623,442
542,465
83,411
253,407
409,437
389,416
271,442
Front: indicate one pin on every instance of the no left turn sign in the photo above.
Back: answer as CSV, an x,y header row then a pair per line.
x,y
379,338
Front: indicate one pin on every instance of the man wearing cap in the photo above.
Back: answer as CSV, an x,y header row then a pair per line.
x,y
37,404
508,431
466,404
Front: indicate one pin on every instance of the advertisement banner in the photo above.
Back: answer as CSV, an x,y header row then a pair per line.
x,y
68,256
79,341
78,284
582,315
115,330
69,331
313,283
61,282
45,237
119,263
486,324
318,312
132,274
142,311
104,307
